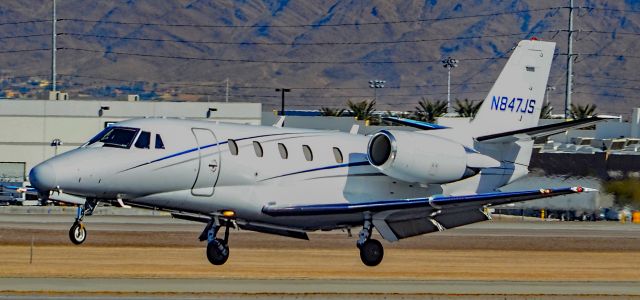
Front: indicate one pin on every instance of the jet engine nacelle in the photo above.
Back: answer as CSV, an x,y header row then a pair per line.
x,y
415,157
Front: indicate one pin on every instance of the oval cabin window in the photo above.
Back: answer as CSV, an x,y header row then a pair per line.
x,y
338,155
308,155
283,151
258,148
233,147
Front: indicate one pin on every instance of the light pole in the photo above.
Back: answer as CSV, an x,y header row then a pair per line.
x,y
449,63
549,89
53,48
375,85
283,90
55,143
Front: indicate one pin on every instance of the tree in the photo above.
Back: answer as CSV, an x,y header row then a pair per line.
x,y
331,112
545,112
626,191
467,109
582,112
362,110
428,111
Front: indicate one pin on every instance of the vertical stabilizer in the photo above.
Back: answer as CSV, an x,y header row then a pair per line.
x,y
516,98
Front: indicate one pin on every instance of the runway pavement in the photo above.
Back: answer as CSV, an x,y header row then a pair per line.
x,y
291,288
156,256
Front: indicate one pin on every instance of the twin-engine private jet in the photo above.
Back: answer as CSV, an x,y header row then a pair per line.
x,y
288,181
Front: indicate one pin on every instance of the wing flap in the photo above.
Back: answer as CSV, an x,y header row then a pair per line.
x,y
435,202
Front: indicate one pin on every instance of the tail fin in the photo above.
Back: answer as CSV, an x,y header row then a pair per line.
x,y
516,98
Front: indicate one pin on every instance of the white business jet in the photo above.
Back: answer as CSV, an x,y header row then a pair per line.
x,y
288,181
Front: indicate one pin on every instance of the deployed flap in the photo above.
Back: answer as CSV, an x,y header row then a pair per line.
x,y
435,202
456,219
414,123
538,131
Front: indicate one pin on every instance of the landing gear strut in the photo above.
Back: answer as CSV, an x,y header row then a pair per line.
x,y
371,251
217,249
77,232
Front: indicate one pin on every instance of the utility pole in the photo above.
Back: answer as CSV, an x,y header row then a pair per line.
x,y
53,48
226,96
567,100
449,63
283,90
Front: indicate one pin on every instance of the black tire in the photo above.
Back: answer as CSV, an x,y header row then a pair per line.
x,y
77,233
217,252
371,253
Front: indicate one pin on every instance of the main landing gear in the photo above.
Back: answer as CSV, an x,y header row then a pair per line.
x,y
217,249
371,251
77,232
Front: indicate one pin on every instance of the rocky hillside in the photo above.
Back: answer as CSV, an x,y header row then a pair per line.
x,y
325,51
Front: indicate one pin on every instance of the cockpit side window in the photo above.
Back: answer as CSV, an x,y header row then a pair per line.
x,y
119,137
144,140
99,136
159,143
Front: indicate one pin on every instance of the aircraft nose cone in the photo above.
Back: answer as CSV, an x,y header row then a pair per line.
x,y
43,177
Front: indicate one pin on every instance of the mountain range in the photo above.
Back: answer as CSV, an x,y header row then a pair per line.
x,y
325,51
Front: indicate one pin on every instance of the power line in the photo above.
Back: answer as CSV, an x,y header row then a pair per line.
x,y
609,9
606,95
24,50
608,86
24,22
21,76
23,36
311,25
610,78
608,32
303,43
237,87
266,61
606,55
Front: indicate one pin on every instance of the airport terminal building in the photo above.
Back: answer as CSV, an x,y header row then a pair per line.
x,y
35,130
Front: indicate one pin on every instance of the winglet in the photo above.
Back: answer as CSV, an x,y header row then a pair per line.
x,y
354,129
414,123
280,122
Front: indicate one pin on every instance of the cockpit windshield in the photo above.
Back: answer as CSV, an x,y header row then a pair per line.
x,y
119,137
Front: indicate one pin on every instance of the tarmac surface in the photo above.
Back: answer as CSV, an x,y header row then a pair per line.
x,y
142,257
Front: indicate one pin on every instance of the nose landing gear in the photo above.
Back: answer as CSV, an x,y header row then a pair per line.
x,y
77,232
371,251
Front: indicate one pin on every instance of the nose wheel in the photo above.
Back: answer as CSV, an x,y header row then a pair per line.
x,y
371,251
77,232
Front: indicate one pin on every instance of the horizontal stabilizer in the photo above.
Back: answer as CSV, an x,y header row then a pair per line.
x,y
538,131
435,202
414,123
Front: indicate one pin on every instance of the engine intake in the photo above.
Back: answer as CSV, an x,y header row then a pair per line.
x,y
417,157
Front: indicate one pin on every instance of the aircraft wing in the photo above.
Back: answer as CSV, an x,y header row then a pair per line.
x,y
414,123
434,203
539,131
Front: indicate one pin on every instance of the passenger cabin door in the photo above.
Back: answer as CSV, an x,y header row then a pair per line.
x,y
209,167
